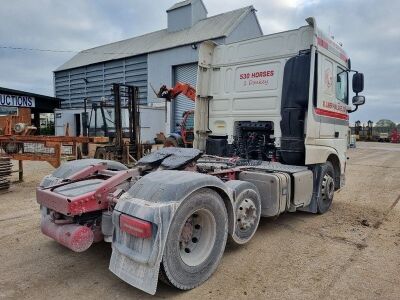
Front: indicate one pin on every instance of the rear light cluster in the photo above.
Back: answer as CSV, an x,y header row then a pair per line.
x,y
136,227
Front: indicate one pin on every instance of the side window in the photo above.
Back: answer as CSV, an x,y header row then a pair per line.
x,y
341,85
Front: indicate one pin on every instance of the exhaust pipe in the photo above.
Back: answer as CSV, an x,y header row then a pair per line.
x,y
76,237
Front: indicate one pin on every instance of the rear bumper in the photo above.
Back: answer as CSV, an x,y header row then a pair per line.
x,y
70,206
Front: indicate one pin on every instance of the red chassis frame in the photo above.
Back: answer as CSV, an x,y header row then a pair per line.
x,y
98,199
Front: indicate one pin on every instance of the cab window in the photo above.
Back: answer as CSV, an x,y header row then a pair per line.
x,y
341,85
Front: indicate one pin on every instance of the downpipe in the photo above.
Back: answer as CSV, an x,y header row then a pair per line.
x,y
76,237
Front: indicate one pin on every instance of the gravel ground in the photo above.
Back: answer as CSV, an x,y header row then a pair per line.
x,y
351,252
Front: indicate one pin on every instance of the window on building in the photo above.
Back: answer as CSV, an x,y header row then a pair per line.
x,y
341,85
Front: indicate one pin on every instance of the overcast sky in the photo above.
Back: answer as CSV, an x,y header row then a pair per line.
x,y
369,31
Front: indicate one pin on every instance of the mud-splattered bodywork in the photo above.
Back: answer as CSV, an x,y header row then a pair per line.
x,y
93,200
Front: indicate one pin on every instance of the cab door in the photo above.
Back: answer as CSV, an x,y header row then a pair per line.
x,y
325,97
332,101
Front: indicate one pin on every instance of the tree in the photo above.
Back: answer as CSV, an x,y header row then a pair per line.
x,y
384,125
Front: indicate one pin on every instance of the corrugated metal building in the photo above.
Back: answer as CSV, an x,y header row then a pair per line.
x,y
161,57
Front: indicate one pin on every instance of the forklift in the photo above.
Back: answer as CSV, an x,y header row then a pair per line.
x,y
124,143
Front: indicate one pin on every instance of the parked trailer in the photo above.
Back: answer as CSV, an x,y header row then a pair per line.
x,y
271,126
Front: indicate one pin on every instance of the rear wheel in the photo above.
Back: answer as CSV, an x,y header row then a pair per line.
x,y
247,210
196,240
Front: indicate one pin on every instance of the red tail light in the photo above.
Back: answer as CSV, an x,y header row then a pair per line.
x,y
135,227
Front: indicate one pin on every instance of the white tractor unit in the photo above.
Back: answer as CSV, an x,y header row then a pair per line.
x,y
270,136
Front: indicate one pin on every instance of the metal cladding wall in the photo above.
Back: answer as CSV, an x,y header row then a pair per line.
x,y
71,86
186,74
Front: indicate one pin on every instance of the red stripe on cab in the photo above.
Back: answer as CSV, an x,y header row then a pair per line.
x,y
331,114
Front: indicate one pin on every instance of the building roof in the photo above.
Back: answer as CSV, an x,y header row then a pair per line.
x,y
184,3
180,4
210,28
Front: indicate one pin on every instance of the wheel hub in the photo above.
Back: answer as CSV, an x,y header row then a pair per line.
x,y
187,231
328,187
246,215
197,237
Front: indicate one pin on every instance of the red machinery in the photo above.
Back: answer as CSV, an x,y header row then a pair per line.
x,y
180,88
395,136
185,136
18,142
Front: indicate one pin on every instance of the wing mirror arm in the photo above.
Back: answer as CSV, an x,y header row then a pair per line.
x,y
352,110
358,86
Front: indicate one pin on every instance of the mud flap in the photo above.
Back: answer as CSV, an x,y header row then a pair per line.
x,y
312,207
139,275
135,260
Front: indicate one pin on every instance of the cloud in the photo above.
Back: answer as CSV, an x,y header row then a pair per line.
x,y
369,31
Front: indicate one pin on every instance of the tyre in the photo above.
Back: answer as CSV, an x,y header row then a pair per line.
x,y
12,147
247,210
171,142
100,153
196,240
326,188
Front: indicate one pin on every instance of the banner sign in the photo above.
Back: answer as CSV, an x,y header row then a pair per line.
x,y
17,101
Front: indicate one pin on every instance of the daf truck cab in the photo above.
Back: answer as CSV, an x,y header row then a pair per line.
x,y
287,93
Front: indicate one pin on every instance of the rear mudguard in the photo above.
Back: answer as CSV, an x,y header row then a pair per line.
x,y
154,198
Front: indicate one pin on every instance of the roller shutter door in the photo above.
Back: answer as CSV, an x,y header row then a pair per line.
x,y
186,74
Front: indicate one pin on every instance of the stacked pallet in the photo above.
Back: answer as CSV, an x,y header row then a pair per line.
x,y
5,172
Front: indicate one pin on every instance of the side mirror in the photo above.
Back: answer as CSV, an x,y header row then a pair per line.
x,y
358,100
358,83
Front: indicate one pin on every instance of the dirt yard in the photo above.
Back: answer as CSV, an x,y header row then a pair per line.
x,y
351,252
